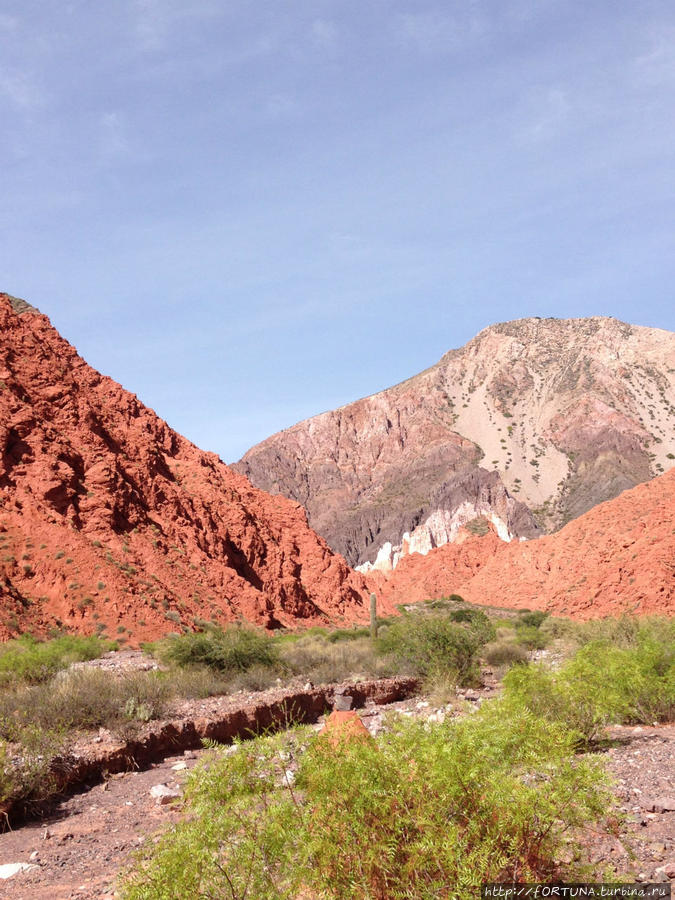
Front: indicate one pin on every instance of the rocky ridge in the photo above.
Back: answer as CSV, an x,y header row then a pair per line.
x,y
112,522
617,558
530,424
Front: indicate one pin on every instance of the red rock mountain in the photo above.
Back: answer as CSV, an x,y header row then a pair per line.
x,y
531,424
617,558
109,520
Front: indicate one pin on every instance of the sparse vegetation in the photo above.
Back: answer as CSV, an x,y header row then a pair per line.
x,y
25,659
489,798
236,649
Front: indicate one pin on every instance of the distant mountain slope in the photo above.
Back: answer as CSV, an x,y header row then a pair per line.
x,y
108,518
531,424
617,558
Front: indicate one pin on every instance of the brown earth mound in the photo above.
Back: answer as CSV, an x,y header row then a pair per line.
x,y
617,558
110,521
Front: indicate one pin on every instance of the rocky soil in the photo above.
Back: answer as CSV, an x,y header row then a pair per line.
x,y
560,414
111,521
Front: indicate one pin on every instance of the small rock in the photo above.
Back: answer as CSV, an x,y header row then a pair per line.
x,y
663,804
308,686
189,754
179,767
163,794
342,702
669,869
9,869
46,834
34,855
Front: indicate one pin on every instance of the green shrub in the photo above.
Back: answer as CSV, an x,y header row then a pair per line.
x,y
26,659
234,649
487,799
424,645
600,684
531,637
478,621
504,653
533,619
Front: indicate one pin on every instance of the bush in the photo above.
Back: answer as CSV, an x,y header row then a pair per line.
x,y
600,684
83,698
234,649
531,637
27,659
424,645
478,621
505,653
313,656
533,619
487,799
29,777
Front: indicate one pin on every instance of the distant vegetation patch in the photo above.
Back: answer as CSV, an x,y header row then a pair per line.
x,y
27,659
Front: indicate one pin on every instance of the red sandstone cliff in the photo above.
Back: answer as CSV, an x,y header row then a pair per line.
x,y
617,558
111,520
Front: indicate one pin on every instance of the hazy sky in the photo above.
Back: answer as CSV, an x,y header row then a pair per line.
x,y
251,212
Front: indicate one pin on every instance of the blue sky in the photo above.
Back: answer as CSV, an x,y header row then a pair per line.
x,y
251,212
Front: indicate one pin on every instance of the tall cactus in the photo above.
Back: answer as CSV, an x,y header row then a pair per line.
x,y
373,616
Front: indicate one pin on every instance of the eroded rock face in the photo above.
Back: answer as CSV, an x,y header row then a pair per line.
x,y
617,558
530,424
110,518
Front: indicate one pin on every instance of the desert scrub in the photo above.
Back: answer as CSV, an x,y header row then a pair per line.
x,y
424,812
26,773
626,631
325,661
27,659
600,684
504,653
83,699
234,649
426,645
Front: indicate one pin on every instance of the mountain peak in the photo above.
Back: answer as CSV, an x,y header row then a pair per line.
x,y
531,423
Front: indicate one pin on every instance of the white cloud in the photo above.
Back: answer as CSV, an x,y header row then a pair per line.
x,y
549,117
434,31
19,89
324,34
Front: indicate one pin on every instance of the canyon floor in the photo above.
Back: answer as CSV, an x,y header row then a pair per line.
x,y
80,848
